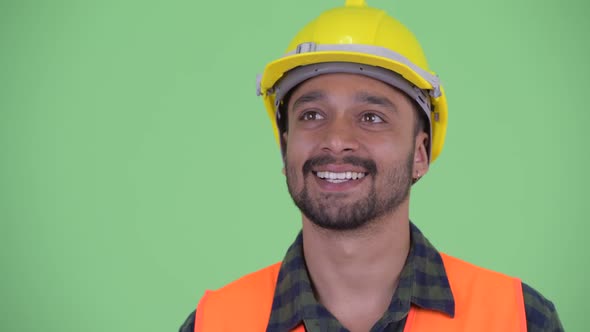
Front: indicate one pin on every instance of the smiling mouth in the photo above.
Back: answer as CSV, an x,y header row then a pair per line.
x,y
339,177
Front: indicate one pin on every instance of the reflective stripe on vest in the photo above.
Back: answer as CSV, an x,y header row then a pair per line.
x,y
484,301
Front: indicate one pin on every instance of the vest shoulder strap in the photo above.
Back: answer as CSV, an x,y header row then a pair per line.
x,y
485,300
245,303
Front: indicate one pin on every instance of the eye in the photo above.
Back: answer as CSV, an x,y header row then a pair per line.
x,y
371,118
311,116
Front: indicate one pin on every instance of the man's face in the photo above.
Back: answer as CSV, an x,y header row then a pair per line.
x,y
350,154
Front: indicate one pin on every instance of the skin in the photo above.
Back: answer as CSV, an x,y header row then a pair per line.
x,y
354,268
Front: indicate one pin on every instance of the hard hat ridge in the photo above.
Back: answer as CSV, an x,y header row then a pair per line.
x,y
355,3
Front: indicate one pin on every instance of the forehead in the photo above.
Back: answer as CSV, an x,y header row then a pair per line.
x,y
344,87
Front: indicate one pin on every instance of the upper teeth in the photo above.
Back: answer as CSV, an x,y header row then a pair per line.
x,y
340,176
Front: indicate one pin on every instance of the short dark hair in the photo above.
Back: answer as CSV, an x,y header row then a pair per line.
x,y
421,123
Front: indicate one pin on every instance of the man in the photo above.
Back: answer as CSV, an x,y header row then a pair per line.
x,y
359,118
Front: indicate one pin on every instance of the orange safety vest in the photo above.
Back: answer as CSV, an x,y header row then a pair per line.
x,y
484,301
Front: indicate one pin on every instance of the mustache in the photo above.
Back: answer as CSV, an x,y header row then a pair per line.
x,y
367,164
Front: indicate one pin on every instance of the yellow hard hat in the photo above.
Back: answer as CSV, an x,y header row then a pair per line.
x,y
362,40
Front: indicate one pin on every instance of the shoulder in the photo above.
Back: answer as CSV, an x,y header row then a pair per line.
x,y
189,323
250,283
470,282
466,271
248,286
541,314
242,301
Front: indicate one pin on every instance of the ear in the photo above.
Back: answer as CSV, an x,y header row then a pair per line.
x,y
421,163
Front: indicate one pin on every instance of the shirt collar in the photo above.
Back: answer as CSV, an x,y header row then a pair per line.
x,y
423,282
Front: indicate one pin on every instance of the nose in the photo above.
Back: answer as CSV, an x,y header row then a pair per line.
x,y
339,137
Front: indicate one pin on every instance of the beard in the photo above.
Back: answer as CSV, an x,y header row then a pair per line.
x,y
332,211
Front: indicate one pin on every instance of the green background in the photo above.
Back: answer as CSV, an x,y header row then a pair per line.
x,y
138,167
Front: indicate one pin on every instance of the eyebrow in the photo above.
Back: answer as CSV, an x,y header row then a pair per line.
x,y
309,97
367,98
361,97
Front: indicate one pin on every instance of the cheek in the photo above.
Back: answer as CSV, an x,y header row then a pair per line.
x,y
390,149
390,153
294,158
298,147
293,173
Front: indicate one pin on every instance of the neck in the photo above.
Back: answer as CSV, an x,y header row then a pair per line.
x,y
355,273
